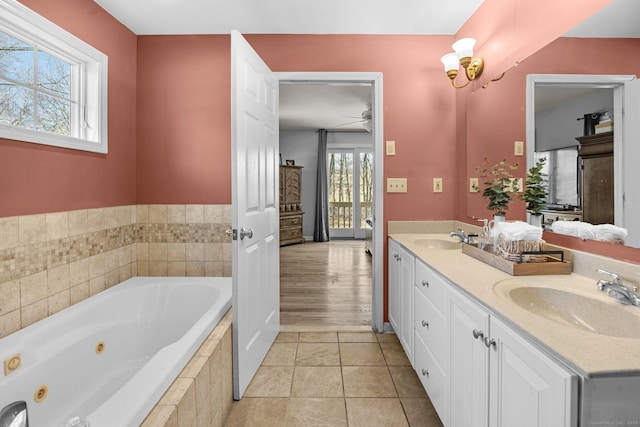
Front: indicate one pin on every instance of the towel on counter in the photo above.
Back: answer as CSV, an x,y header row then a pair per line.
x,y
517,230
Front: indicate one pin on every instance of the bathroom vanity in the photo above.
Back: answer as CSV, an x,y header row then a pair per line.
x,y
497,350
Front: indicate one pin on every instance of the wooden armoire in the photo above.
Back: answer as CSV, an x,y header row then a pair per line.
x,y
291,205
596,161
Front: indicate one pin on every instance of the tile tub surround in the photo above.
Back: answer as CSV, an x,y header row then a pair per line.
x,y
51,261
201,396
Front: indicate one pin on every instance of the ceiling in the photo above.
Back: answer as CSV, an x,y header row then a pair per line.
x,y
318,106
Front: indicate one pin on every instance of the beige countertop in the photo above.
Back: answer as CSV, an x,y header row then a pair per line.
x,y
588,353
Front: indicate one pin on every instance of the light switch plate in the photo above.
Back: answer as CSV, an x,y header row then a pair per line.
x,y
437,185
396,185
391,148
473,185
518,148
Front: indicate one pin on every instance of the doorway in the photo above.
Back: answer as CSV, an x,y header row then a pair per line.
x,y
375,80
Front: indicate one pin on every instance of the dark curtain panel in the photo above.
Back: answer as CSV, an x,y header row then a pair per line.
x,y
321,226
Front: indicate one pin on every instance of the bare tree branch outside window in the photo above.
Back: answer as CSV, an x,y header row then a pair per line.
x,y
35,88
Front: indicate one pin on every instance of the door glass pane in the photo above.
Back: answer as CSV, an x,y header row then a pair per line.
x,y
366,187
340,190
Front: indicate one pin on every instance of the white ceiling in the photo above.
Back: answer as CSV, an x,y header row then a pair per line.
x,y
291,16
321,106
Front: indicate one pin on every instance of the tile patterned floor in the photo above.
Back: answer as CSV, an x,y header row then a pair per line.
x,y
334,379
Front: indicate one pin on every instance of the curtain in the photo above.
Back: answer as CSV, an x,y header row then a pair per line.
x,y
321,226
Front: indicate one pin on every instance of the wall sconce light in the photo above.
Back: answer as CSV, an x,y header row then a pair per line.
x,y
463,56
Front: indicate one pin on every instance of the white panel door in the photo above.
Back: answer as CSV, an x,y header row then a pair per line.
x,y
256,256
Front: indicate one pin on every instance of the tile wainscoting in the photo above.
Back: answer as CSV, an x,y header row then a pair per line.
x,y
51,261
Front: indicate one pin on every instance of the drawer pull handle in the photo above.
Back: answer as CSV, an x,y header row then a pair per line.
x,y
425,324
425,373
490,342
425,283
478,334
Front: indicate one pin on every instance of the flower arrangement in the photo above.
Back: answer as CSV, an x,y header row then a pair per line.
x,y
535,192
499,189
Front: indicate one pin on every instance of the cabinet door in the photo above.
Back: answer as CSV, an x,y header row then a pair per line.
x,y
394,282
401,283
528,389
407,266
468,371
292,191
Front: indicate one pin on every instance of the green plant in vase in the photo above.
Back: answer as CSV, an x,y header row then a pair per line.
x,y
535,192
498,186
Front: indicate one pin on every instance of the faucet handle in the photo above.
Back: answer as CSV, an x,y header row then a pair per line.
x,y
616,279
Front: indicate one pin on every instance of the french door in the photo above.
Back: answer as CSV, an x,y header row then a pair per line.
x,y
350,191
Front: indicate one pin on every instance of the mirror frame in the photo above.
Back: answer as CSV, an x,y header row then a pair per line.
x,y
617,82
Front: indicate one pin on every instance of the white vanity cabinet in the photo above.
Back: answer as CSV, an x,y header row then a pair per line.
x,y
401,280
477,370
499,379
431,336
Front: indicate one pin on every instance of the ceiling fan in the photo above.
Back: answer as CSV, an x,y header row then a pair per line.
x,y
364,119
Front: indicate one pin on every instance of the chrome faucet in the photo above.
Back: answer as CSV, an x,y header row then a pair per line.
x,y
14,415
464,238
617,290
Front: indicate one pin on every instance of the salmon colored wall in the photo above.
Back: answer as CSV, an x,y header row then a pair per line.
x,y
496,116
36,178
184,141
184,134
509,32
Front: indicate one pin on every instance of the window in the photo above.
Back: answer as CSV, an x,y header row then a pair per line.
x,y
53,86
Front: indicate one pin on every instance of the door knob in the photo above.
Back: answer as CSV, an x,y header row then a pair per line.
x,y
245,233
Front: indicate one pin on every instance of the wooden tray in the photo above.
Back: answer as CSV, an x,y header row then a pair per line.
x,y
552,266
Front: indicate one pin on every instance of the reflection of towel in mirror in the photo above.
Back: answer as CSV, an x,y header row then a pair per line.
x,y
585,230
610,233
517,230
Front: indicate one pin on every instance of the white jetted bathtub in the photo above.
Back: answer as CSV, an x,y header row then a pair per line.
x,y
108,359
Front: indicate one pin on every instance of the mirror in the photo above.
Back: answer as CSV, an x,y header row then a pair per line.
x,y
576,122
497,116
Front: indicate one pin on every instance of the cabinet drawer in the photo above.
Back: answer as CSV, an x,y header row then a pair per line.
x,y
431,325
432,285
290,233
289,221
433,378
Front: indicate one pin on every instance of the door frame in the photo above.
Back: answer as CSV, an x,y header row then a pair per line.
x,y
375,80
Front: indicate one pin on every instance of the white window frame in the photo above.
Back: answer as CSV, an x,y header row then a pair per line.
x,y
89,88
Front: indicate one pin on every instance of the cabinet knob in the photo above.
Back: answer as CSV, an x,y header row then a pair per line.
x,y
490,342
425,373
425,283
425,324
478,334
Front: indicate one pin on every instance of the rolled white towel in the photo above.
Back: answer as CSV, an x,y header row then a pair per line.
x,y
609,232
518,230
583,230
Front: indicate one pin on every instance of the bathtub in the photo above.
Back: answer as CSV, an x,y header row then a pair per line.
x,y
110,358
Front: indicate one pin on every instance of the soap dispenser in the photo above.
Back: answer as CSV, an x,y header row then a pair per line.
x,y
485,240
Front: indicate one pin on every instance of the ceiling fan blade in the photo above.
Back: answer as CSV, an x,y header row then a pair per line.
x,y
350,123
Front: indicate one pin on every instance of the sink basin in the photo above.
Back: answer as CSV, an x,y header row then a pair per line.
x,y
437,243
577,310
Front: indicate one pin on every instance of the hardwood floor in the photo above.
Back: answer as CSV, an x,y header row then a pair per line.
x,y
325,285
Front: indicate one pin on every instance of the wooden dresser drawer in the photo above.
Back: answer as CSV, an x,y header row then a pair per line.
x,y
290,233
291,221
